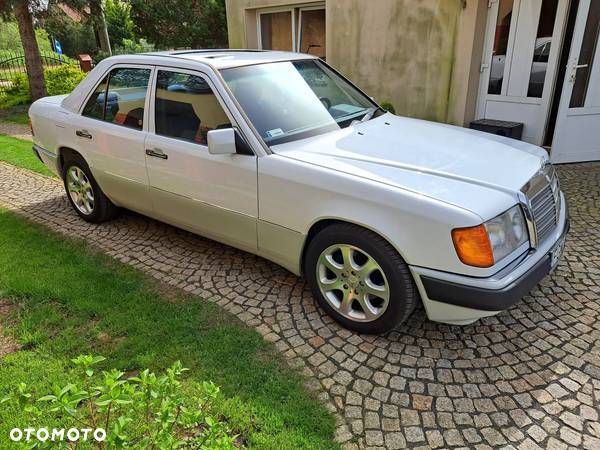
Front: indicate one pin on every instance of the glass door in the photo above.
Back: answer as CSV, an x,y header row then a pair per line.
x,y
577,136
519,64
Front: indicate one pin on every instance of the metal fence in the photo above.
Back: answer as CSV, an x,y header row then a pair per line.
x,y
13,63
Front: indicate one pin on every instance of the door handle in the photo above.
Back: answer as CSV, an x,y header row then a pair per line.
x,y
83,134
157,153
574,71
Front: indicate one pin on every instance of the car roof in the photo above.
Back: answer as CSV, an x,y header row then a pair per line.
x,y
225,58
217,59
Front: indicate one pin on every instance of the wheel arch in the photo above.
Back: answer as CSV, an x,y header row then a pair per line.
x,y
324,222
62,151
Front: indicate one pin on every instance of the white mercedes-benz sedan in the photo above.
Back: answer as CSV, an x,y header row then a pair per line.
x,y
278,154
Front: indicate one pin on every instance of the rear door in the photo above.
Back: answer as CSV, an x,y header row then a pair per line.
x,y
111,133
214,195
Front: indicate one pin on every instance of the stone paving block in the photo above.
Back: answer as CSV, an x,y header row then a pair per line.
x,y
526,378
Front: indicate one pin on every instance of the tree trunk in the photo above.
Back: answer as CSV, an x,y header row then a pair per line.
x,y
33,62
100,25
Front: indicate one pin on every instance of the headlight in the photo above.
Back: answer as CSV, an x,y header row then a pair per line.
x,y
507,232
488,243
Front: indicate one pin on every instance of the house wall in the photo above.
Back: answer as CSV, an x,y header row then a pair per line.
x,y
421,55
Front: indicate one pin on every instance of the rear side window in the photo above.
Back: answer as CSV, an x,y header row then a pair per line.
x,y
95,105
120,98
186,107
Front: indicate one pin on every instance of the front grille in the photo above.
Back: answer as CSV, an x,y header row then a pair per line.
x,y
543,207
543,193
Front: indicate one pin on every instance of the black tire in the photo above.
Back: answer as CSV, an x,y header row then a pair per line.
x,y
403,294
103,209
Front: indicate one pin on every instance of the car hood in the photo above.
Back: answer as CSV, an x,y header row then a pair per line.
x,y
392,149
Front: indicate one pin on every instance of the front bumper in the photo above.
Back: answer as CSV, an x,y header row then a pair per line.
x,y
458,299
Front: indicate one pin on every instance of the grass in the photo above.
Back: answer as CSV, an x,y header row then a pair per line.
x,y
70,299
19,153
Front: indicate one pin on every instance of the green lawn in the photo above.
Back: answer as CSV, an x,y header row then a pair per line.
x,y
19,153
69,299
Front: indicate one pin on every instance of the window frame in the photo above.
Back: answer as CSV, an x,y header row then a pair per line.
x,y
309,8
296,18
262,12
215,91
108,74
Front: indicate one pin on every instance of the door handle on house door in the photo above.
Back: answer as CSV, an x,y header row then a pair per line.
x,y
157,153
574,71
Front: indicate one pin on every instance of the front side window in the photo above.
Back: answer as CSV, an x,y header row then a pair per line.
x,y
186,108
291,100
120,98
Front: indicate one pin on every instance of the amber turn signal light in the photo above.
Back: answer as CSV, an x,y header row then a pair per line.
x,y
473,246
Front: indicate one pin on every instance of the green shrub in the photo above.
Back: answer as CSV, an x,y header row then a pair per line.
x,y
145,411
62,79
388,107
59,80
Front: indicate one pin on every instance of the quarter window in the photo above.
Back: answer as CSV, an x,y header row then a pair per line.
x,y
120,98
186,107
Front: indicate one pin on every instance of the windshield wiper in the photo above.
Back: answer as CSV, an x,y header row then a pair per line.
x,y
368,115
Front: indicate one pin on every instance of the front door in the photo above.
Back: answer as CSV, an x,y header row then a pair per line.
x,y
577,135
521,50
213,195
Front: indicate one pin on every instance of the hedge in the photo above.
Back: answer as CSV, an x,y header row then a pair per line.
x,y
59,80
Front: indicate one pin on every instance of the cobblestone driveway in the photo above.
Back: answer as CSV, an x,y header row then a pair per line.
x,y
525,379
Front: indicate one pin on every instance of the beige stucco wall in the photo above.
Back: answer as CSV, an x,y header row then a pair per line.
x,y
419,54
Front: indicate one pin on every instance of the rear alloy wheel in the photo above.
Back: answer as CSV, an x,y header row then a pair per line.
x,y
83,192
80,190
359,279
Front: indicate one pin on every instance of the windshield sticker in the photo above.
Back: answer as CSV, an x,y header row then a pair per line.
x,y
274,133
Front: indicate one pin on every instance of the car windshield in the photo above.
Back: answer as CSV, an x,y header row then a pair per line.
x,y
291,100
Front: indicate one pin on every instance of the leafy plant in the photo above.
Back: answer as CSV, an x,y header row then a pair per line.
x,y
62,79
76,37
118,21
10,38
59,80
145,411
180,23
388,107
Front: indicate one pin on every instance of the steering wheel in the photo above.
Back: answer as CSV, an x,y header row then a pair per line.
x,y
326,102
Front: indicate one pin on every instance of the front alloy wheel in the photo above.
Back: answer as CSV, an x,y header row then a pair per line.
x,y
353,282
80,190
359,279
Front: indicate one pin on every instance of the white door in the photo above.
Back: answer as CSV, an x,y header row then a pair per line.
x,y
577,135
518,69
213,195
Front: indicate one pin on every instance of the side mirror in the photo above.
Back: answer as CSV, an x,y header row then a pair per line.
x,y
221,142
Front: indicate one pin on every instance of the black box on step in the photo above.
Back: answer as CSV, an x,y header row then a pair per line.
x,y
500,127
